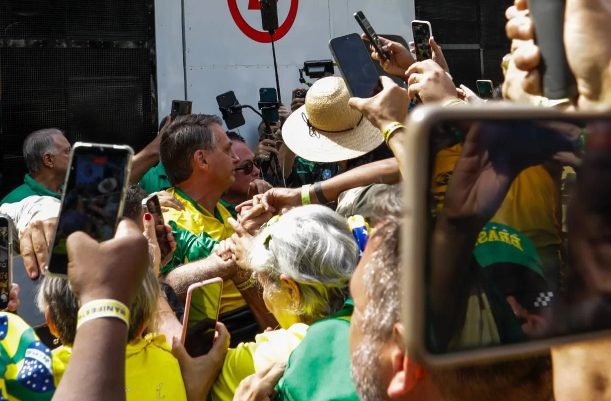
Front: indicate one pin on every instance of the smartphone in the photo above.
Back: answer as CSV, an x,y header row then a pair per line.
x,y
180,108
485,88
506,297
370,33
6,259
201,314
299,93
356,66
268,104
422,33
151,205
231,110
548,17
94,193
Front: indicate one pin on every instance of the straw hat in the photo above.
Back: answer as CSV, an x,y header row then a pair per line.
x,y
326,129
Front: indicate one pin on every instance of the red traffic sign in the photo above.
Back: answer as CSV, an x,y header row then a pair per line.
x,y
256,34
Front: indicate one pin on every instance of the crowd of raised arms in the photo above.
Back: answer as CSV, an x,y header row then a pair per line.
x,y
298,247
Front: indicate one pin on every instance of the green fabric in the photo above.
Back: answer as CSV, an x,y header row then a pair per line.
x,y
500,243
155,179
188,247
29,187
230,207
319,368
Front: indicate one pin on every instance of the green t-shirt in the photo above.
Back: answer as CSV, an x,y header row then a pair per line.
x,y
155,179
29,187
230,208
319,368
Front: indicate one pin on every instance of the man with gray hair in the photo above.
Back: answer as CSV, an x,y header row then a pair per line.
x,y
381,366
46,153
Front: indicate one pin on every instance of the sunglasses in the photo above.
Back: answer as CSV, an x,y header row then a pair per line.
x,y
248,166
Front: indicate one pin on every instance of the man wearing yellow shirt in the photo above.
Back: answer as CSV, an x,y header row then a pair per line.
x,y
200,162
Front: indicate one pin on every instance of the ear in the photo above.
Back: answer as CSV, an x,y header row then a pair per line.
x,y
291,287
47,160
50,322
199,159
406,373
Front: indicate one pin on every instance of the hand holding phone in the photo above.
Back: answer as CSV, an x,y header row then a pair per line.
x,y
151,205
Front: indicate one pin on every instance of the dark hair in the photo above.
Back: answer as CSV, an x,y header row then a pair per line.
x,y
234,136
183,138
133,202
36,145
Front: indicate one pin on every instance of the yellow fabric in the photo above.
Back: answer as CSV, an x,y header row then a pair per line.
x,y
151,371
248,358
540,221
198,221
480,328
534,187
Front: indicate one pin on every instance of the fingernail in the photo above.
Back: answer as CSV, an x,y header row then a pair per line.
x,y
148,216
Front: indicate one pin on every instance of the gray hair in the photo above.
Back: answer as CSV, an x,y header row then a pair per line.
x,y
314,247
56,293
36,145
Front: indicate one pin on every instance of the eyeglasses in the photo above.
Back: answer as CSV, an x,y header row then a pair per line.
x,y
248,166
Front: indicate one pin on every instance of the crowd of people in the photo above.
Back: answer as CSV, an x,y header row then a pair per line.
x,y
305,233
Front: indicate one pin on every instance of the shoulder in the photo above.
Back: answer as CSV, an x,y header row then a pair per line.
x,y
17,194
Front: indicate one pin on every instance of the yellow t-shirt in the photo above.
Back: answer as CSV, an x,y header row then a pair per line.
x,y
151,371
248,358
197,232
531,204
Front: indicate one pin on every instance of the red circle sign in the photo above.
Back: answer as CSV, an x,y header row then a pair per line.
x,y
263,36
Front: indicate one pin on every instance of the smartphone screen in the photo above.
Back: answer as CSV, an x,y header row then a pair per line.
x,y
422,33
152,206
93,197
233,117
180,108
201,315
484,88
5,261
371,34
355,64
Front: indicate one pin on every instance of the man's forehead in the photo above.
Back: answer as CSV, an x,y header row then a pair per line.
x,y
242,150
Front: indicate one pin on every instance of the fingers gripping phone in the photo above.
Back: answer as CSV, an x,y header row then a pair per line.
x,y
151,205
370,33
6,259
201,314
422,33
355,64
180,108
94,193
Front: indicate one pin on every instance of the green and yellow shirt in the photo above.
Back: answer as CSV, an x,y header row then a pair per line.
x,y
197,232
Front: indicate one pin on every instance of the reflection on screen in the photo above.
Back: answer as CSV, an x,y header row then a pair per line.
x,y
92,199
201,321
520,246
4,264
421,41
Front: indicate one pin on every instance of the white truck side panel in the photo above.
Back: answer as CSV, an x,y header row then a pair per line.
x,y
221,58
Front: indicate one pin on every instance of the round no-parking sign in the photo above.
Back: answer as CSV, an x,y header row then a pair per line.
x,y
256,34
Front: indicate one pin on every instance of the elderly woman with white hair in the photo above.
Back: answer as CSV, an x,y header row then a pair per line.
x,y
303,261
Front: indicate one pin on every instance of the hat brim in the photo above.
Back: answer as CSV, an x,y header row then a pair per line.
x,y
324,147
